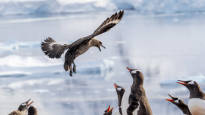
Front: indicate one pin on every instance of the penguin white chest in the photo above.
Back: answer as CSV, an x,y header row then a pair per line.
x,y
197,106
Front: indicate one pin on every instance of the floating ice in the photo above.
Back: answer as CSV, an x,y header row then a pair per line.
x,y
42,7
21,61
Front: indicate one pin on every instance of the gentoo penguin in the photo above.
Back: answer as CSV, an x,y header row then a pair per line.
x,y
108,111
137,98
80,46
180,104
120,92
196,102
23,108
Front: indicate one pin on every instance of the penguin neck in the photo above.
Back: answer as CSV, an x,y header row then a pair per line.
x,y
137,83
196,93
120,95
185,110
137,87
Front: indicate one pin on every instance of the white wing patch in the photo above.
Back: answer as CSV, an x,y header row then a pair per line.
x,y
112,22
51,45
53,49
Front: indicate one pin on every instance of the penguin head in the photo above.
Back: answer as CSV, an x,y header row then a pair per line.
x,y
25,105
136,75
108,111
119,88
179,103
175,100
189,84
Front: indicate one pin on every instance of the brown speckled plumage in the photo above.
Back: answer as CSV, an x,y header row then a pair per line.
x,y
80,46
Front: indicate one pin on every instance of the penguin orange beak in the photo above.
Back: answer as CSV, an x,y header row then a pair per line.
x,y
115,85
181,82
29,102
170,100
129,69
109,109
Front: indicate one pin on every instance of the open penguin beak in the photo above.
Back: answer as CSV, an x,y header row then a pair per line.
x,y
109,109
115,85
130,70
29,102
182,82
170,100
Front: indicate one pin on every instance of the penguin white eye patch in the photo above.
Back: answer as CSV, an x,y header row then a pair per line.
x,y
134,71
191,82
118,88
177,101
23,104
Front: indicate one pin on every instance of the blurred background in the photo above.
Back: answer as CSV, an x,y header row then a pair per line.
x,y
162,38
